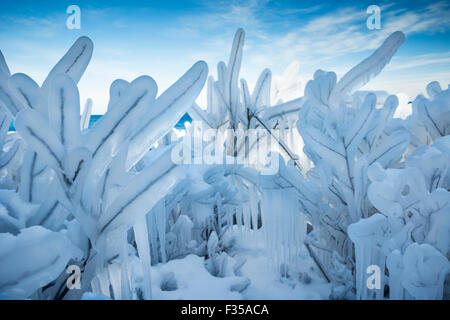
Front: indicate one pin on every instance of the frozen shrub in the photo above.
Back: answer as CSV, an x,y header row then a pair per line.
x,y
425,271
32,259
415,203
430,116
231,105
343,135
367,190
92,169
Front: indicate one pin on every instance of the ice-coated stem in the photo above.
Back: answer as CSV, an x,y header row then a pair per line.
x,y
143,245
394,264
368,235
86,116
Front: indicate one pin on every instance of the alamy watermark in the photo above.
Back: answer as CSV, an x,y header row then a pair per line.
x,y
374,20
74,280
74,19
251,147
373,281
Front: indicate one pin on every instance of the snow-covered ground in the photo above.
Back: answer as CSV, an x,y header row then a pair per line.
x,y
193,281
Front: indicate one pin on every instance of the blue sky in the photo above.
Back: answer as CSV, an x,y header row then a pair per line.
x,y
164,38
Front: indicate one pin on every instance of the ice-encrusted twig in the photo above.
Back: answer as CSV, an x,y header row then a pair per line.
x,y
86,116
359,75
73,63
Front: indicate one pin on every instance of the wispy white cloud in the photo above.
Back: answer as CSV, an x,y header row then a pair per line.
x,y
329,40
39,27
320,36
422,60
343,31
300,10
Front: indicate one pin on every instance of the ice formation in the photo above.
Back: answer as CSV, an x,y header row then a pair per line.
x,y
424,272
354,188
32,259
368,236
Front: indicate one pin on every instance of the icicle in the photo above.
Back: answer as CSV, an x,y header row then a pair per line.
x,y
153,234
394,264
160,217
254,214
231,212
114,271
239,211
95,285
247,213
100,283
284,225
143,246
126,282
183,229
368,236
218,201
254,208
